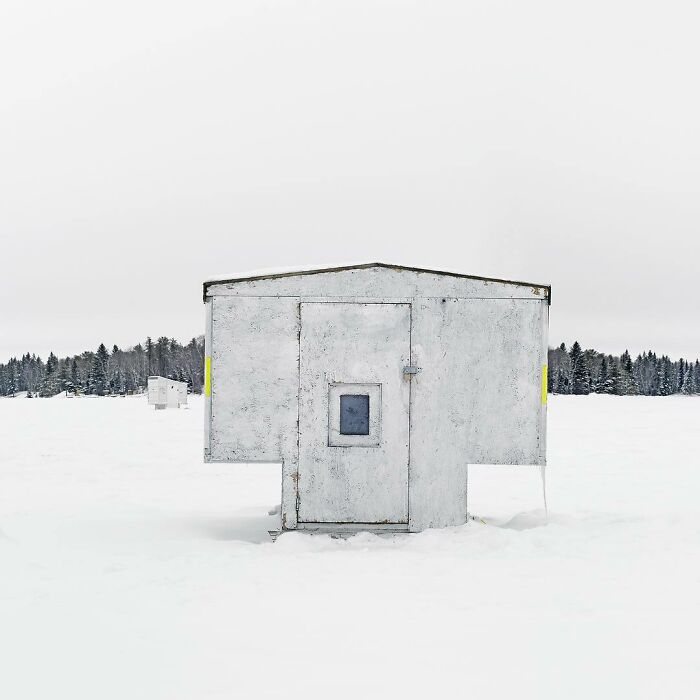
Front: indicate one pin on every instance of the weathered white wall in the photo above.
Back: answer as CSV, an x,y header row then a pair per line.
x,y
477,399
157,391
254,385
378,282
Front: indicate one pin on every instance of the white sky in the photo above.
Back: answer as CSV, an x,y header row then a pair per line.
x,y
146,146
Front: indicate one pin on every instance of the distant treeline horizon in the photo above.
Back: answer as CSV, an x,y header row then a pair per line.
x,y
102,372
119,371
579,371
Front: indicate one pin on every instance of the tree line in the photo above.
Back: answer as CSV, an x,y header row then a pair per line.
x,y
571,371
106,373
578,371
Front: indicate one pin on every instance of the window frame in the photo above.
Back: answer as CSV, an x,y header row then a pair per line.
x,y
374,392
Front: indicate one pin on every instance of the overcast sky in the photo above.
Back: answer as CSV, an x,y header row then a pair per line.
x,y
146,146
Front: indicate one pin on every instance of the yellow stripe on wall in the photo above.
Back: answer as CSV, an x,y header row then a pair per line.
x,y
544,385
207,376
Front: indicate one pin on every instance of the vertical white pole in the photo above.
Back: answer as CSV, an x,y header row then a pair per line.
x,y
544,490
466,489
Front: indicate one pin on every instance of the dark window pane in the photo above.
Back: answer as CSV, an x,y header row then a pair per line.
x,y
354,414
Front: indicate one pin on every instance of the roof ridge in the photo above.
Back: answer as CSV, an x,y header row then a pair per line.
x,y
273,273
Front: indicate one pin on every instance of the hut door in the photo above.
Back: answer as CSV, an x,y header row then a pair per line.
x,y
353,413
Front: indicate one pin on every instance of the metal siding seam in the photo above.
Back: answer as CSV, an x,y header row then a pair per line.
x,y
410,402
542,433
208,350
297,467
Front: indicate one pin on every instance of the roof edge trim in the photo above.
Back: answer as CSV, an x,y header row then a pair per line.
x,y
364,266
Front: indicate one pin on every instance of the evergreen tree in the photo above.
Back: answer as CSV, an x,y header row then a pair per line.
x,y
627,376
12,377
150,358
98,374
64,376
616,386
580,375
689,388
162,356
49,383
602,385
563,382
558,376
665,374
74,376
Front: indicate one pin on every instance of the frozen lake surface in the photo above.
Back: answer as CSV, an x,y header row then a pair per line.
x,y
131,570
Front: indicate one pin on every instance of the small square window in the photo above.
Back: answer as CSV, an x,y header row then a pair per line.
x,y
354,414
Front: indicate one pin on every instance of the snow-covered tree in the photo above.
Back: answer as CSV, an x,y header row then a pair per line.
x,y
98,383
580,374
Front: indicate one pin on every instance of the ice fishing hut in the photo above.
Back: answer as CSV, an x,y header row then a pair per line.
x,y
374,386
166,393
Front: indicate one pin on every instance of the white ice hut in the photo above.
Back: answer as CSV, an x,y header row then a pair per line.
x,y
166,393
374,386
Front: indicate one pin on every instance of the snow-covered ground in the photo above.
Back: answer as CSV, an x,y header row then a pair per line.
x,y
131,570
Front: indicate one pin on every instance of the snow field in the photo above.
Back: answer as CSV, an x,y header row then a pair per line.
x,y
130,569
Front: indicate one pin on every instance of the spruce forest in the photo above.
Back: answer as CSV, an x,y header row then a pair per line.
x,y
578,371
106,373
572,371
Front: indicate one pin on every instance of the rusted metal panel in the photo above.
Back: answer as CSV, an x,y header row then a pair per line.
x,y
378,281
362,478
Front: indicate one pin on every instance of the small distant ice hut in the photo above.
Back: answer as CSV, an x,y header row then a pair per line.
x,y
375,386
166,393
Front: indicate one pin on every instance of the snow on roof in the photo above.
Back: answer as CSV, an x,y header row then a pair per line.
x,y
314,269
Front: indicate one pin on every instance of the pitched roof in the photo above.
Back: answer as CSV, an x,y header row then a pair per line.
x,y
272,273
